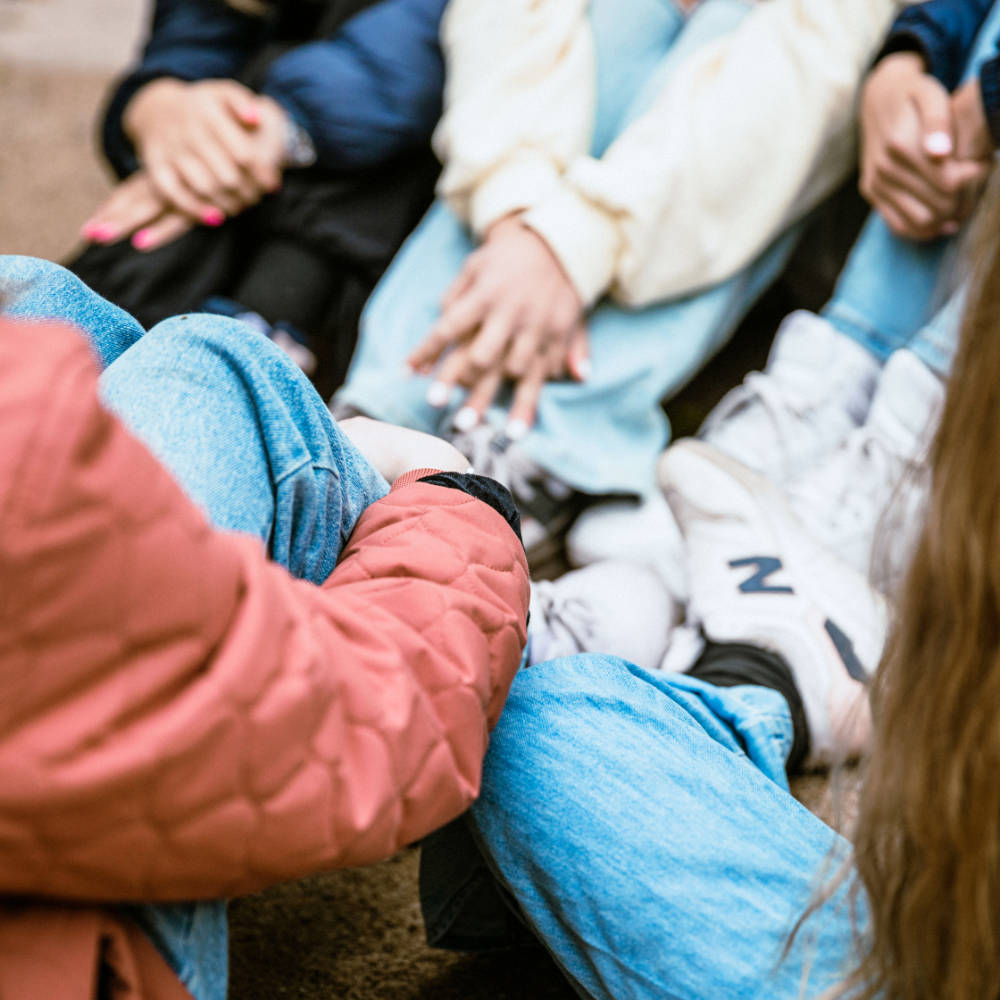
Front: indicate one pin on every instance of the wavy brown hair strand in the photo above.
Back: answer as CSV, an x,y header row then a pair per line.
x,y
928,837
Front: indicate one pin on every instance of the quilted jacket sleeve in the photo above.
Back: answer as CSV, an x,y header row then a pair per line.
x,y
180,718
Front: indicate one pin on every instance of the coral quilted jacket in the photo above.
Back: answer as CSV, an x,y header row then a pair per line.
x,y
179,718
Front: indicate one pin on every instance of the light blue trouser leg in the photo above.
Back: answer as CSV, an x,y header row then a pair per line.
x,y
245,434
890,288
602,436
643,824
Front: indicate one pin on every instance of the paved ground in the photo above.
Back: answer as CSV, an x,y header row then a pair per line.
x,y
354,935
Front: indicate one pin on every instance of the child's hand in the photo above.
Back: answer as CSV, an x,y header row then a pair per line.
x,y
135,208
512,314
911,170
212,148
396,450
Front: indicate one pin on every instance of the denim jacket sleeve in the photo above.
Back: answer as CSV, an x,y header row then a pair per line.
x,y
944,33
371,90
190,40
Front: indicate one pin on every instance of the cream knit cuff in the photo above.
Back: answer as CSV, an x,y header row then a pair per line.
x,y
514,185
585,238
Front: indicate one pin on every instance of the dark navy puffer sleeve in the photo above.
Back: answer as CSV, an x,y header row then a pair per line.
x,y
190,40
370,91
943,32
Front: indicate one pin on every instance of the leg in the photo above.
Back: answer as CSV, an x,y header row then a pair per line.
x,y
643,824
247,436
38,289
172,279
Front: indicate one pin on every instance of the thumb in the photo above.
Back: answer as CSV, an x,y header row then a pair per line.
x,y
933,105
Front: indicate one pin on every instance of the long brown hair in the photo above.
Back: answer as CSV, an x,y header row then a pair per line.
x,y
927,843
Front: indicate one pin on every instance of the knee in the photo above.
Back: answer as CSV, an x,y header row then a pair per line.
x,y
555,710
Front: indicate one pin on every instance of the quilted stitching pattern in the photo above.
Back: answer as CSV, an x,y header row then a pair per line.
x,y
178,717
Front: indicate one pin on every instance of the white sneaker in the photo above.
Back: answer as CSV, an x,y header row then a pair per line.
x,y
757,577
617,608
638,531
866,503
815,389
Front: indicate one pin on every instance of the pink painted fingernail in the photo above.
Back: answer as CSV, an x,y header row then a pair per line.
x,y
142,239
950,228
97,232
250,116
938,144
212,217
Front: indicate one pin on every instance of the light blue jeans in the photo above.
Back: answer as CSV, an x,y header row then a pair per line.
x,y
248,438
893,293
641,826
601,436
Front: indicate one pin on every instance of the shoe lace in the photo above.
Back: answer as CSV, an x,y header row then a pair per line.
x,y
560,623
493,454
763,390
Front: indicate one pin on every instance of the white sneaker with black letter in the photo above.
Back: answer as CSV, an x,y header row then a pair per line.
x,y
757,577
816,389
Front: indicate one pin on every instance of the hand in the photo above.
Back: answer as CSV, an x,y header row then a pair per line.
x,y
212,148
136,207
512,313
396,450
973,140
910,170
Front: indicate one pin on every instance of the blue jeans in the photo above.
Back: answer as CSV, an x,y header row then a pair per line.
x,y
894,293
248,438
601,436
641,826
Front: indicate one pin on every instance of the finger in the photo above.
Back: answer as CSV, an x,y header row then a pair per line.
x,y
195,175
917,218
933,188
229,186
129,208
457,322
442,389
477,401
488,346
459,286
242,150
933,104
578,354
529,342
164,230
169,185
524,405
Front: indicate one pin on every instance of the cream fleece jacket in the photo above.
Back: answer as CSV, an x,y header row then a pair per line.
x,y
749,133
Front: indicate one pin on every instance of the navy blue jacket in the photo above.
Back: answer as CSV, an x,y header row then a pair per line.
x,y
365,92
944,33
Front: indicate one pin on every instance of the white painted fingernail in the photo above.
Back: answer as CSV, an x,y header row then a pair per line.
x,y
938,143
584,368
465,419
438,394
516,429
